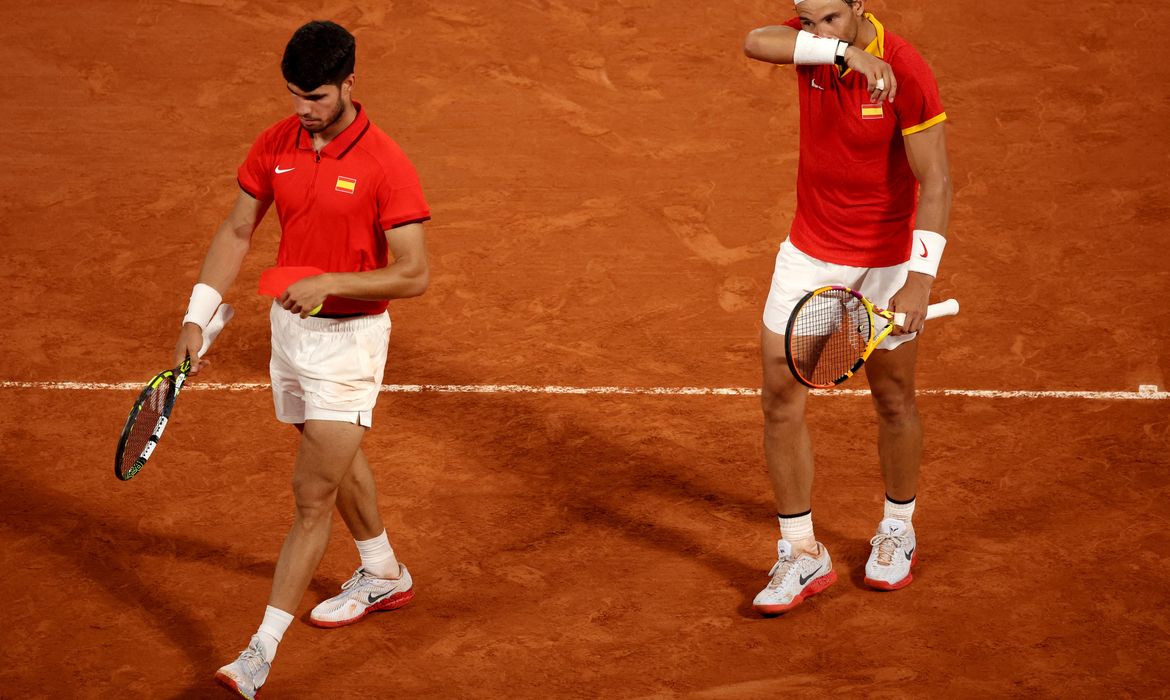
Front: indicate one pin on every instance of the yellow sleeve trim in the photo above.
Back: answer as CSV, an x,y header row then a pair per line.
x,y
925,125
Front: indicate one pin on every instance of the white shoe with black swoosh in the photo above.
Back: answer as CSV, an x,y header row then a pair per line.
x,y
247,673
895,549
794,579
361,595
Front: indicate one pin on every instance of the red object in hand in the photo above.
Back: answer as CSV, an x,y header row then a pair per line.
x,y
275,280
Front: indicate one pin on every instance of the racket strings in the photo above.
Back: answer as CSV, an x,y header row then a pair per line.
x,y
829,334
145,422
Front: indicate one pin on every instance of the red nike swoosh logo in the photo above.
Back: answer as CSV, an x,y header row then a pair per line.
x,y
925,252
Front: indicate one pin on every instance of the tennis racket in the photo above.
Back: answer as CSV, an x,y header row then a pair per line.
x,y
276,280
833,330
152,409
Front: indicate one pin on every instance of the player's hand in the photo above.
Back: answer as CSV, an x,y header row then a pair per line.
x,y
876,70
189,344
912,300
305,295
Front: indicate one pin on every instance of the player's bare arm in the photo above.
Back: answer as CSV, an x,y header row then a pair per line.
x,y
773,44
407,276
221,266
824,22
927,153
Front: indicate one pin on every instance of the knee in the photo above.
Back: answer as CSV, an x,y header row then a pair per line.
x,y
314,499
782,405
896,407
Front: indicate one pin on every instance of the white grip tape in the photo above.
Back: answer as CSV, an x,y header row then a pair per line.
x,y
222,315
813,50
950,307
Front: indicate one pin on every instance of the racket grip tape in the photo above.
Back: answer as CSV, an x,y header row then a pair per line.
x,y
222,315
950,307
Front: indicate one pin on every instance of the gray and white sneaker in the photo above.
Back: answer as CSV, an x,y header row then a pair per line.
x,y
895,550
246,674
362,594
794,579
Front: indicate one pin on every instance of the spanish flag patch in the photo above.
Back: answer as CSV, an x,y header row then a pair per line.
x,y
346,184
872,112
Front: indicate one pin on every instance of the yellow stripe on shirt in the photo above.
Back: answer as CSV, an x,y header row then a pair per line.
x,y
925,125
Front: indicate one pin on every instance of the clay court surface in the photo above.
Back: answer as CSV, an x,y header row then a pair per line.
x,y
609,183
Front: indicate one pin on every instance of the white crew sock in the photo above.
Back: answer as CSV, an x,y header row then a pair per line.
x,y
377,557
798,531
272,629
901,511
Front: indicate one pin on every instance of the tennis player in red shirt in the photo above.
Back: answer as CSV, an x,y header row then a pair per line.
x,y
350,204
873,198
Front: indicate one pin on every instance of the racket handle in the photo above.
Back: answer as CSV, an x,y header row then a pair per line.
x,y
950,307
222,315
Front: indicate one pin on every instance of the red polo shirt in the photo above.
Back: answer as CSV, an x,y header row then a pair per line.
x,y
335,206
856,196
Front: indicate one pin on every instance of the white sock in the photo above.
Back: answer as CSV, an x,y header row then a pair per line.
x,y
272,629
798,531
377,556
901,511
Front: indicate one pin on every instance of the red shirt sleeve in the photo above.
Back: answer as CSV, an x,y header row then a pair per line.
x,y
917,104
400,195
255,173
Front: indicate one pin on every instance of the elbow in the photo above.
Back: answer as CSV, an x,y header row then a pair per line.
x,y
753,44
419,282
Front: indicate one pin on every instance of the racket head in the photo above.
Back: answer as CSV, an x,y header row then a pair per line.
x,y
147,420
827,336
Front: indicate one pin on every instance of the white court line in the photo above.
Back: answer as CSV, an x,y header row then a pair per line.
x,y
1145,394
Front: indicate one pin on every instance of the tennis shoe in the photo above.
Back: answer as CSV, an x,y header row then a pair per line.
x,y
895,549
362,594
794,579
246,674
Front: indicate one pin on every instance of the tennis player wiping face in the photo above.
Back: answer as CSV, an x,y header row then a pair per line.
x,y
872,184
349,203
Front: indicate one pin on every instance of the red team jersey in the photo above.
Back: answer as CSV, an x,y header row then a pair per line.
x,y
855,193
334,207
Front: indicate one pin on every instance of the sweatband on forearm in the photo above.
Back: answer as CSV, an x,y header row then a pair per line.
x,y
927,252
813,50
204,301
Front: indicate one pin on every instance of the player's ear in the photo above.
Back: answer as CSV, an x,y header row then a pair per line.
x,y
858,7
347,84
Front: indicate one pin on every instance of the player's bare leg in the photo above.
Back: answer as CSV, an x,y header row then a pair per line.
x,y
357,500
787,447
803,567
325,457
891,380
381,582
895,544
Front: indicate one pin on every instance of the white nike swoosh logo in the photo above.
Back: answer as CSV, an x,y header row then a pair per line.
x,y
814,84
287,170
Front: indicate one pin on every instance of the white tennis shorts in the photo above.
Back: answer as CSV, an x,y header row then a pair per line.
x,y
325,368
798,274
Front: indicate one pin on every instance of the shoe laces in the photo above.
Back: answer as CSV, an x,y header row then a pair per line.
x,y
887,544
253,657
355,580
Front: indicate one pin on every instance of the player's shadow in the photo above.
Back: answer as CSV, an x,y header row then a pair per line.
x,y
621,483
117,556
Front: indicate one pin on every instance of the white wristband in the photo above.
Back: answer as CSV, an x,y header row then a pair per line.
x,y
927,252
813,50
204,301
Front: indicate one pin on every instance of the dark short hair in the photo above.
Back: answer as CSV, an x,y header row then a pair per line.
x,y
319,53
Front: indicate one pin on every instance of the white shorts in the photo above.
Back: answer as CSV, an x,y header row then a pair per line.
x,y
798,274
326,368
